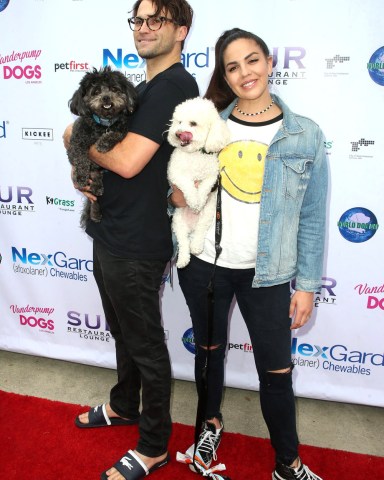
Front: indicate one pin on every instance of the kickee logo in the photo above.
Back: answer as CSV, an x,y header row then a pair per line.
x,y
45,134
35,317
373,299
188,340
88,327
358,225
57,265
287,65
337,358
375,66
16,200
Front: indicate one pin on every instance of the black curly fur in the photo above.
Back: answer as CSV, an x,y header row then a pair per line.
x,y
109,95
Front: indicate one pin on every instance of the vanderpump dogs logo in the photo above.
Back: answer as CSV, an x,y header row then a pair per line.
x,y
16,200
375,66
336,358
36,318
57,265
287,65
88,327
19,66
358,225
374,295
3,5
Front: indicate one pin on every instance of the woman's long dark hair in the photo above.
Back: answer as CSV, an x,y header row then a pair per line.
x,y
218,90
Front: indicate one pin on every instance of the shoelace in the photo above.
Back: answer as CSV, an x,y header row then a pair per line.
x,y
304,474
208,444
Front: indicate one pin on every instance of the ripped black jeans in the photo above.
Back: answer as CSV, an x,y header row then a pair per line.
x,y
266,314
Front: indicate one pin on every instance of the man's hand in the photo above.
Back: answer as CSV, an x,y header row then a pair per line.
x,y
301,308
67,136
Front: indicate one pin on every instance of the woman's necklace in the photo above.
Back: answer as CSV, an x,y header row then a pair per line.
x,y
254,114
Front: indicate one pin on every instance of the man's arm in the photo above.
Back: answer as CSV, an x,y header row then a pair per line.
x,y
127,158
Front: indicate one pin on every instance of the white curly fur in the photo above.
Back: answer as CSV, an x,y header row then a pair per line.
x,y
198,133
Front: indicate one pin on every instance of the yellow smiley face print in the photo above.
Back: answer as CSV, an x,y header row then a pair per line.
x,y
242,169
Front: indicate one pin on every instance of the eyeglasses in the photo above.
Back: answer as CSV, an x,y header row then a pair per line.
x,y
153,23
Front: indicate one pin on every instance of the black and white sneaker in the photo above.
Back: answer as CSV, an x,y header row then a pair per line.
x,y
302,472
207,445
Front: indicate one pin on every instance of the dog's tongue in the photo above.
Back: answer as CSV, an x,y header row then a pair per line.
x,y
185,137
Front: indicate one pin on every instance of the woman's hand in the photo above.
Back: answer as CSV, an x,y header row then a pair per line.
x,y
301,308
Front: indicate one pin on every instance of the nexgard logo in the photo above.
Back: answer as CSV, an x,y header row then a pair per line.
x,y
287,65
375,66
337,358
3,131
57,265
358,225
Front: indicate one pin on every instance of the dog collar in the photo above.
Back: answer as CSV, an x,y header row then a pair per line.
x,y
105,122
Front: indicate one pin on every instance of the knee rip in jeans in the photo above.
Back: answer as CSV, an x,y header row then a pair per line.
x,y
278,378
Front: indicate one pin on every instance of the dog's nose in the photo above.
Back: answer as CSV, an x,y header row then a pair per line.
x,y
185,137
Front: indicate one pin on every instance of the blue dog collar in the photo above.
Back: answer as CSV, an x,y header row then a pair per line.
x,y
105,122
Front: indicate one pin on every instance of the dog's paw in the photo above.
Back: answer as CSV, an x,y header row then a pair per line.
x,y
197,245
183,260
107,141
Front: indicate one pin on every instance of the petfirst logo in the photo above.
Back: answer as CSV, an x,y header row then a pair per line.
x,y
3,131
334,62
16,200
37,134
188,340
375,66
244,347
373,301
72,66
64,205
326,295
88,327
31,73
57,265
35,317
337,358
3,5
358,225
287,65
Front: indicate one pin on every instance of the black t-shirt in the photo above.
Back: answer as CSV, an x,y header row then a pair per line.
x,y
135,223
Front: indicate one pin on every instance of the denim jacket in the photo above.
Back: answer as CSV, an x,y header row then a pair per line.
x,y
293,204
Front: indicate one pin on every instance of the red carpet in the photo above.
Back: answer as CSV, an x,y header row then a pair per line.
x,y
39,441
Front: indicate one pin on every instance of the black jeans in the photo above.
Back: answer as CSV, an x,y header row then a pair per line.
x,y
266,314
129,291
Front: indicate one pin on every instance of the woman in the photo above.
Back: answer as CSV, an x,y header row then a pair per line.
x,y
274,183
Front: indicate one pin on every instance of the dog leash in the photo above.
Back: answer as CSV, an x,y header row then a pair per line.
x,y
203,387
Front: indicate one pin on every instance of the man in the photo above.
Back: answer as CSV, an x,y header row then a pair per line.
x,y
132,243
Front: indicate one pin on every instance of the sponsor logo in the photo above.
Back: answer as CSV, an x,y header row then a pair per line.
x,y
358,225
3,5
287,65
88,327
35,317
37,134
244,347
3,130
64,205
58,265
373,300
31,73
361,145
375,66
16,200
336,358
335,63
188,340
326,295
72,66
328,145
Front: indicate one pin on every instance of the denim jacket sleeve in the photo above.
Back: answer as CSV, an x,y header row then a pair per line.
x,y
312,223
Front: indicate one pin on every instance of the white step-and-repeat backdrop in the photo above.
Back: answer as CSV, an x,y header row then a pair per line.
x,y
328,64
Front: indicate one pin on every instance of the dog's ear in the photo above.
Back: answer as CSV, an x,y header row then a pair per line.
x,y
132,97
218,136
77,105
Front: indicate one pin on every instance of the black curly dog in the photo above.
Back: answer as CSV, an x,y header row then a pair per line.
x,y
103,102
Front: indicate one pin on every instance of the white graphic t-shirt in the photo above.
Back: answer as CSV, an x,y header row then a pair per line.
x,y
242,169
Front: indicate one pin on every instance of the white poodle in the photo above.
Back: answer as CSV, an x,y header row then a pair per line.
x,y
198,133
